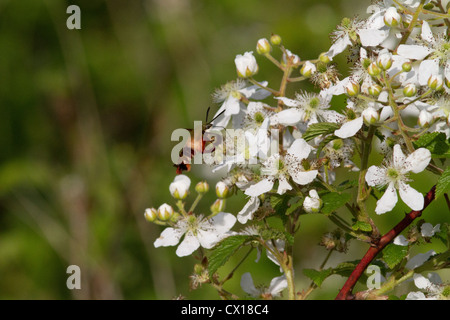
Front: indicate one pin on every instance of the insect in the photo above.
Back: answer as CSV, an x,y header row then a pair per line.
x,y
196,144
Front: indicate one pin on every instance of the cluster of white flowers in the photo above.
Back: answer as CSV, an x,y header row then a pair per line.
x,y
397,90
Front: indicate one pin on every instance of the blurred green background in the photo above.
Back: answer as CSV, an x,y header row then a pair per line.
x,y
87,117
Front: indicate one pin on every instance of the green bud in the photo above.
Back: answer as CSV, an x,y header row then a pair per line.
x,y
373,69
375,90
218,206
275,40
410,90
436,82
323,57
407,66
165,212
263,46
150,214
222,190
352,88
202,187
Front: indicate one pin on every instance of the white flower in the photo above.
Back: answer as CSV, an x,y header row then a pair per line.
x,y
395,175
246,65
391,17
427,229
277,285
179,188
281,168
230,96
432,285
248,210
197,231
312,203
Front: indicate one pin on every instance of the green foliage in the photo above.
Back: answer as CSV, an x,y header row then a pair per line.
x,y
317,129
443,184
317,276
394,254
436,142
333,201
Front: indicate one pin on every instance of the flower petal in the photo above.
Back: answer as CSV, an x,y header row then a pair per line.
x,y
289,102
413,51
259,188
277,285
349,129
418,160
287,117
427,68
248,286
169,237
339,46
283,185
419,259
376,176
303,177
299,149
223,222
411,197
388,201
248,210
398,157
372,37
189,244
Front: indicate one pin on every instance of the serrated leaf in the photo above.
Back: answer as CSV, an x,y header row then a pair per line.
x,y
224,250
317,276
393,254
317,129
333,201
363,226
436,142
443,184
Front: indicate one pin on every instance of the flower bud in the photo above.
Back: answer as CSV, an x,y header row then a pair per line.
x,y
202,187
352,88
392,18
435,82
222,190
323,57
370,116
263,46
384,60
407,66
308,69
165,212
425,119
218,206
179,188
447,82
373,69
150,214
410,90
292,58
275,39
246,65
312,203
375,90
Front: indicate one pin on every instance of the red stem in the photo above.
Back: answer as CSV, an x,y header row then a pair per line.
x,y
346,291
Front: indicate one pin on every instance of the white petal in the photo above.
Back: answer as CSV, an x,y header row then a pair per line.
x,y
375,176
427,34
398,157
418,160
256,92
372,37
388,201
419,259
427,68
303,177
421,282
248,210
410,196
259,188
248,286
427,229
169,237
412,51
287,117
339,46
277,285
232,106
299,149
188,245
401,241
223,222
349,129
289,102
283,185
416,296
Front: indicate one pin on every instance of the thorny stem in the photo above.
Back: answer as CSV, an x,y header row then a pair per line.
x,y
376,248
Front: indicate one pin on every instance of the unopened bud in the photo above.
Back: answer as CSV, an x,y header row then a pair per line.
x,y
312,203
410,90
150,214
246,65
179,188
292,58
435,82
202,187
308,69
425,119
275,39
370,116
392,18
373,69
407,66
218,206
263,46
384,60
222,190
375,90
352,88
165,212
323,57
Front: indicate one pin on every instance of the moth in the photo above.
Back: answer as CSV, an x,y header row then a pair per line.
x,y
196,144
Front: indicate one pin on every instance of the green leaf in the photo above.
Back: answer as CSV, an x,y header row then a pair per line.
x,y
394,254
317,276
443,184
316,129
333,201
436,142
224,250
363,226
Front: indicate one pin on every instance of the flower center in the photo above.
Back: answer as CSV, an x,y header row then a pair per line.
x,y
258,117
